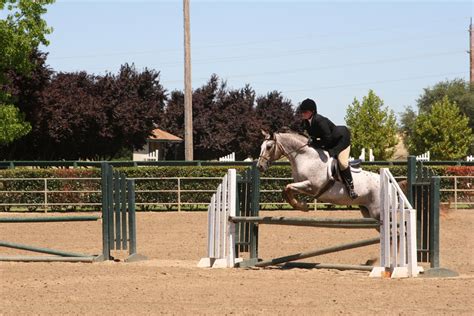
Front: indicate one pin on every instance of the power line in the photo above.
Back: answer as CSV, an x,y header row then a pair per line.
x,y
286,53
375,82
382,61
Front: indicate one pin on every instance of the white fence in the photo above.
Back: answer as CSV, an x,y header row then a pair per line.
x,y
398,219
423,157
153,156
470,158
229,157
362,155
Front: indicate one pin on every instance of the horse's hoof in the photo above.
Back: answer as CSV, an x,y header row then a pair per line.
x,y
304,207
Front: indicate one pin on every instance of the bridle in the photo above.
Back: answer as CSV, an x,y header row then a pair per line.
x,y
280,146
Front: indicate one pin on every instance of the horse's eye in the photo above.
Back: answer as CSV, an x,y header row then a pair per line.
x,y
269,146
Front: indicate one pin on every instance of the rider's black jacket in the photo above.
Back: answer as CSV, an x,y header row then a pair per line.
x,y
326,135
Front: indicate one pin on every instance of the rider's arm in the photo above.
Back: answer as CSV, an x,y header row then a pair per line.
x,y
325,133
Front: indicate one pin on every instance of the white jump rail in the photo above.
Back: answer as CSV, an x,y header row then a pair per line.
x,y
398,218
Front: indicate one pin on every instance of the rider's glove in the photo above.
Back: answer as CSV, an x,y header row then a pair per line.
x,y
310,141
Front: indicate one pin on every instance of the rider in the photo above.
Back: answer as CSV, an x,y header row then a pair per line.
x,y
336,140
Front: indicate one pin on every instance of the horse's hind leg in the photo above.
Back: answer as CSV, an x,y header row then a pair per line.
x,y
300,187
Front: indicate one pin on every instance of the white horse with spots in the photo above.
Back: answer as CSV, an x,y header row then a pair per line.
x,y
311,172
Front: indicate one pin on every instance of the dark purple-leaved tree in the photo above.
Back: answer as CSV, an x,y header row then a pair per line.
x,y
227,120
81,116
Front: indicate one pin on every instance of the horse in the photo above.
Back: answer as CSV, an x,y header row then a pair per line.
x,y
310,169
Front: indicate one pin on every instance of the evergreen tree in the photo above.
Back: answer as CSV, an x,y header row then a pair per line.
x,y
372,127
443,130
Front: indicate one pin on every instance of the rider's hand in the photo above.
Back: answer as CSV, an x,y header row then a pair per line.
x,y
310,141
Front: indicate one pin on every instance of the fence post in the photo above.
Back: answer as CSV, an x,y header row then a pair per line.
x,y
179,194
411,177
434,222
105,170
45,195
255,207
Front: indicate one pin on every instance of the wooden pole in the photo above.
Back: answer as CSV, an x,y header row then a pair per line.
x,y
471,54
188,109
319,252
312,222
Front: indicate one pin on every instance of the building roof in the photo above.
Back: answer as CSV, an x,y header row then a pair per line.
x,y
160,135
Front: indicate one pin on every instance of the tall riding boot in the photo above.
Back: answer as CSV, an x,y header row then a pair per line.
x,y
347,178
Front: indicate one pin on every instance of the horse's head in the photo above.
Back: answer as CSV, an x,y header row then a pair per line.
x,y
270,151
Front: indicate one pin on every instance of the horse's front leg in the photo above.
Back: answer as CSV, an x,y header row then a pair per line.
x,y
297,187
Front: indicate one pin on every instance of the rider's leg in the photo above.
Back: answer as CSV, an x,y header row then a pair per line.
x,y
343,160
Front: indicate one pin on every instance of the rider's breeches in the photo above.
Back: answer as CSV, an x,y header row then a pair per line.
x,y
343,158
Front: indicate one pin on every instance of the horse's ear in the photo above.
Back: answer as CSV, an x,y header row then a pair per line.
x,y
266,134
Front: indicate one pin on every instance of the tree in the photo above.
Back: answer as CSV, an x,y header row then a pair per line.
x,y
81,116
372,127
21,32
223,120
457,91
274,111
133,104
443,130
227,120
407,121
25,91
15,127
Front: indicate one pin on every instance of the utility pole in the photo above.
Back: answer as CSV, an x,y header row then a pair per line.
x,y
188,96
471,53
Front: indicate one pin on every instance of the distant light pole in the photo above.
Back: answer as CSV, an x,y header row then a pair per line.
x,y
471,54
188,96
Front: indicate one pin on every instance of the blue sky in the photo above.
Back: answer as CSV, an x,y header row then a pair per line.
x,y
331,51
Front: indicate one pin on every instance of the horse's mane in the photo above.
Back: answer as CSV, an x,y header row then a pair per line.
x,y
298,136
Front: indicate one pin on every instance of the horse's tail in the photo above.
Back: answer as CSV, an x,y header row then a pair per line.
x,y
403,184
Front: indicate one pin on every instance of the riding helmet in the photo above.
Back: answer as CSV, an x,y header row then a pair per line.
x,y
308,105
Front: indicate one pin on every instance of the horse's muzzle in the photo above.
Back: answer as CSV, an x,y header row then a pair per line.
x,y
262,165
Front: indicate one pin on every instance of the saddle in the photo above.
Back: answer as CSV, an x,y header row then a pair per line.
x,y
334,171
